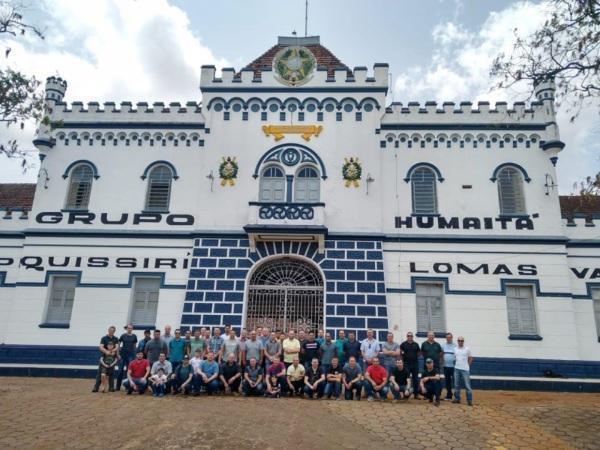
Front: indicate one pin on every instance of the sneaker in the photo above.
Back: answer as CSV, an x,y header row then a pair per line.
x,y
155,395
447,399
455,401
162,395
95,390
369,399
437,403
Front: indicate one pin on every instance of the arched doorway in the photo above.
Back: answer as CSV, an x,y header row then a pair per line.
x,y
285,293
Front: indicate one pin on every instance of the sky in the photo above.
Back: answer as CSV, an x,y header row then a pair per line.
x,y
152,50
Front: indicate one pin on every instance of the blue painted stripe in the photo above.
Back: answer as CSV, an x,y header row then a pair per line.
x,y
476,252
260,88
463,126
134,125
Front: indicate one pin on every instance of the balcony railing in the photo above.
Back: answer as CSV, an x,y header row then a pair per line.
x,y
274,213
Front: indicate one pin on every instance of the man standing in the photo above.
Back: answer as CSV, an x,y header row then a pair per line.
x,y
128,342
188,341
391,353
352,378
448,349
399,381
339,345
197,343
208,376
114,340
272,349
295,377
231,346
254,349
314,380
462,371
431,349
176,350
253,377
144,341
215,344
310,350
155,347
352,349
167,337
328,351
410,356
430,382
291,348
230,374
334,380
376,380
320,338
181,379
302,339
369,348
264,336
137,374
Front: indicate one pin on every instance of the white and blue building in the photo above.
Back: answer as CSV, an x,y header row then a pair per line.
x,y
293,195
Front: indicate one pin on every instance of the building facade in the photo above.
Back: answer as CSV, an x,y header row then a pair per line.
x,y
293,196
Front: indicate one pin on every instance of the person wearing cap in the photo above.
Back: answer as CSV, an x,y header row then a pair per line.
x,y
181,378
137,374
430,382
462,371
230,374
376,380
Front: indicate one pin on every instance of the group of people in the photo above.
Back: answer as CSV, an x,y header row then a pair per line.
x,y
274,364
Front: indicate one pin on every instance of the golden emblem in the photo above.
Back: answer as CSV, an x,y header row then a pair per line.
x,y
305,131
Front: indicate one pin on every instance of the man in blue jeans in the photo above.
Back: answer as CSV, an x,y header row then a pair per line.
x,y
430,382
410,355
207,376
334,380
462,371
128,342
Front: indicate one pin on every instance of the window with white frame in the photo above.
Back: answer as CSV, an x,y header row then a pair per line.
x,y
424,191
80,187
272,185
307,185
158,194
596,301
430,308
520,304
510,191
145,300
60,303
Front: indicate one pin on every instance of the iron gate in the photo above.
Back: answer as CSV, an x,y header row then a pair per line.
x,y
285,294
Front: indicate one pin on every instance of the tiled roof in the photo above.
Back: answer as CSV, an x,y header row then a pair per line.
x,y
573,204
323,56
17,195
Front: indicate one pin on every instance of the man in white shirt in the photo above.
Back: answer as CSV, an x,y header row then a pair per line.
x,y
369,348
462,371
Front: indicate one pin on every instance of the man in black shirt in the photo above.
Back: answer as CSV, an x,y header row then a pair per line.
x,y
399,381
352,348
314,380
128,342
231,375
103,347
410,355
310,350
430,382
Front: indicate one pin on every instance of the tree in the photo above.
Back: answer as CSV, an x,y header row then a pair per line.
x,y
20,97
566,48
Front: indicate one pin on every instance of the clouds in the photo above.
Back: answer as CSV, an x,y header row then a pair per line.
x,y
111,50
459,71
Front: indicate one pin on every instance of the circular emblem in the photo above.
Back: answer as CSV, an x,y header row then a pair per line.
x,y
294,66
290,157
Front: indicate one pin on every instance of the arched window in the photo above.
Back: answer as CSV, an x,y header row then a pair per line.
x,y
272,185
307,186
80,187
159,188
424,193
510,191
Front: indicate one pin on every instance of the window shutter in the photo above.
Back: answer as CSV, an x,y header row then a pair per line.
x,y
510,191
159,189
430,308
145,301
596,301
521,310
80,187
272,185
424,193
61,300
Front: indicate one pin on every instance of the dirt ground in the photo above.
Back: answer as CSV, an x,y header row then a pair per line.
x,y
46,413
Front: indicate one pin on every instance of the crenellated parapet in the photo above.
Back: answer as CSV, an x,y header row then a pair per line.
x,y
340,78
